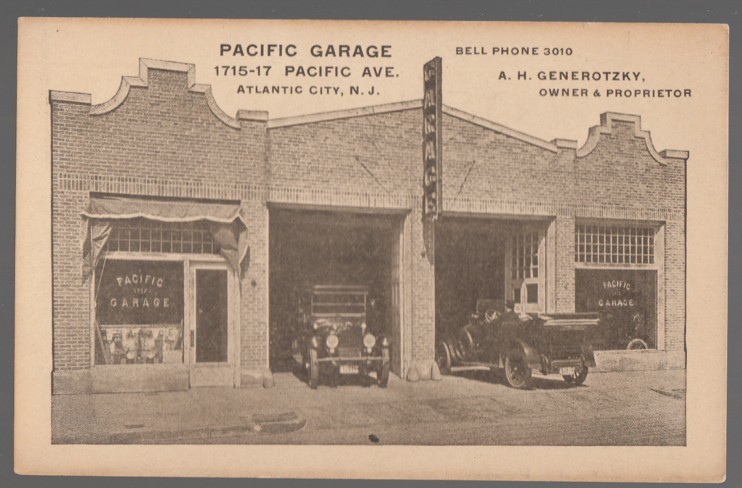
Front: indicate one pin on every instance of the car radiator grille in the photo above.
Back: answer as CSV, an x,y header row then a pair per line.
x,y
349,352
350,342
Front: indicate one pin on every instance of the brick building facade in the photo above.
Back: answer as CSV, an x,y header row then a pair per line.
x,y
562,217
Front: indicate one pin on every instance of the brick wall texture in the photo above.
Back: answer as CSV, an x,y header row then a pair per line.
x,y
165,140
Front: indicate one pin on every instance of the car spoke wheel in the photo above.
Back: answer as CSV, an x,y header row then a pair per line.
x,y
383,374
578,377
313,372
443,357
635,344
465,345
517,372
456,348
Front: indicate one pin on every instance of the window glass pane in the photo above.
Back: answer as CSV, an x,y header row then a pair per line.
x,y
616,245
145,241
137,235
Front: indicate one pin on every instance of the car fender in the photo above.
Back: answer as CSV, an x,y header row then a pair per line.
x,y
532,356
588,355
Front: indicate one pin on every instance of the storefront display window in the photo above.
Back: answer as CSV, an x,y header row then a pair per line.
x,y
627,303
138,312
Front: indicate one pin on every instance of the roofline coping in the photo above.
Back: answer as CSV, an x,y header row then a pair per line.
x,y
141,81
408,105
488,124
606,127
344,114
145,64
161,64
675,154
564,143
253,115
70,97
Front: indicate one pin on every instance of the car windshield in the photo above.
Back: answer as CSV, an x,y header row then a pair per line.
x,y
488,304
331,301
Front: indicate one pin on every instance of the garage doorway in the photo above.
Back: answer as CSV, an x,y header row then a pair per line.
x,y
496,258
323,247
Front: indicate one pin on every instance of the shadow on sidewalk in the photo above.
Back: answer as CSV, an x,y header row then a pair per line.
x,y
538,382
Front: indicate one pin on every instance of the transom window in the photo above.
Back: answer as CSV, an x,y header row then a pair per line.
x,y
525,255
614,244
143,235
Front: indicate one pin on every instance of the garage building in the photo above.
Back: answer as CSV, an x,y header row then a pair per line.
x,y
160,198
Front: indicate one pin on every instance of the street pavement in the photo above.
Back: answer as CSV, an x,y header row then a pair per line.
x,y
469,407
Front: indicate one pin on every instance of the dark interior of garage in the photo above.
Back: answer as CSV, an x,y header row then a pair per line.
x,y
469,264
324,248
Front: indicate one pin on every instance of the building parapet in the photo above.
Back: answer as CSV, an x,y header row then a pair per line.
x,y
607,120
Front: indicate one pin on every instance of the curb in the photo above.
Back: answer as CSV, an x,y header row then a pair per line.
x,y
258,424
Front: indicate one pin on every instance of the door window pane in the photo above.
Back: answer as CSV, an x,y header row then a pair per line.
x,y
212,316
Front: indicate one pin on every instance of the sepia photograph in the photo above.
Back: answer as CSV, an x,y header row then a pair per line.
x,y
436,236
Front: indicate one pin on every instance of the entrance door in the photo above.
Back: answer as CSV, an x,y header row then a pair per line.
x,y
525,282
212,359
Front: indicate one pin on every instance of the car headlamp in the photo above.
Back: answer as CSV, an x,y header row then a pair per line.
x,y
369,341
332,341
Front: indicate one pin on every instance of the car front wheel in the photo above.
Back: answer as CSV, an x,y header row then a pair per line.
x,y
313,372
443,357
383,374
578,377
517,372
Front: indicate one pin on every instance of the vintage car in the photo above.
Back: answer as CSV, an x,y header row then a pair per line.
x,y
334,337
498,338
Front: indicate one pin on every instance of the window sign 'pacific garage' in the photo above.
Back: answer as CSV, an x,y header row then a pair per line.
x,y
626,300
139,292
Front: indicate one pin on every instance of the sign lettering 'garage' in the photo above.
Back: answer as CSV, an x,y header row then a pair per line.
x,y
139,292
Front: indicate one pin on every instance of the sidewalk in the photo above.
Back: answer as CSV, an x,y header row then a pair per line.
x,y
134,418
644,408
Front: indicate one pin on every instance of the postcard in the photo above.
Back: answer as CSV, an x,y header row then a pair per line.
x,y
356,249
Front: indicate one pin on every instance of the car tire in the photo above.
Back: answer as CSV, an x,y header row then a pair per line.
x,y
383,374
517,371
443,357
313,372
636,344
576,379
456,349
467,345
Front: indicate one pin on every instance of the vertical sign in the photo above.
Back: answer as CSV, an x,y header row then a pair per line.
x,y
432,138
